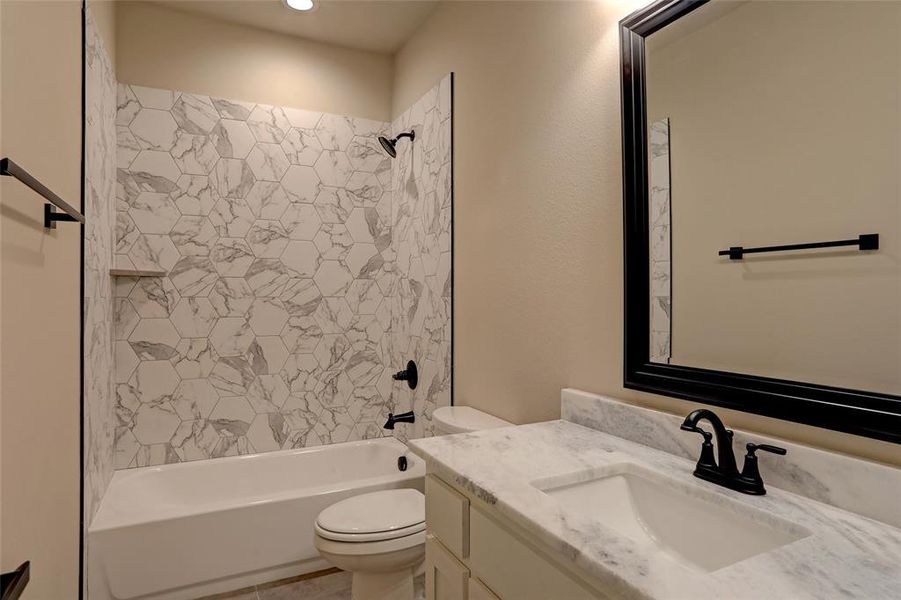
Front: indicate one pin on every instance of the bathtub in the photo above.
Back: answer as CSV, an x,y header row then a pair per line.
x,y
178,532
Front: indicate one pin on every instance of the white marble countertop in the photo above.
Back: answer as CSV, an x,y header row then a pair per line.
x,y
846,555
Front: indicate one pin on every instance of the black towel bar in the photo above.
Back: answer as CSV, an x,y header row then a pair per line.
x,y
866,241
13,583
11,169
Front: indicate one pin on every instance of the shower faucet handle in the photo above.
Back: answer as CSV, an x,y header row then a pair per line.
x,y
410,375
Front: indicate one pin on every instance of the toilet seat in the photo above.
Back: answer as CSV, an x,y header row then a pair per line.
x,y
375,536
374,517
370,548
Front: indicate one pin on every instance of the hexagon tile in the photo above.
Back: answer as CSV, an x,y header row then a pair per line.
x,y
304,268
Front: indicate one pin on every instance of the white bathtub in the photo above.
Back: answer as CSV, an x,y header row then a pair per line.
x,y
187,530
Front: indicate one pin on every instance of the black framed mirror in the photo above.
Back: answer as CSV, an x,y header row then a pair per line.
x,y
656,359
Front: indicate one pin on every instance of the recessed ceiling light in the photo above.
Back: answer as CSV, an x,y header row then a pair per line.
x,y
304,5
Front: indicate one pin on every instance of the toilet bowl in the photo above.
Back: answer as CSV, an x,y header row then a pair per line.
x,y
380,536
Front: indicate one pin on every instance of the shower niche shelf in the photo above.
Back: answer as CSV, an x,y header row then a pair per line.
x,y
136,273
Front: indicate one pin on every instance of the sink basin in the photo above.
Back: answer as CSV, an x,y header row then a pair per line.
x,y
696,527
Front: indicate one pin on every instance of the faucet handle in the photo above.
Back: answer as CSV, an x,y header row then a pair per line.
x,y
752,448
706,459
750,473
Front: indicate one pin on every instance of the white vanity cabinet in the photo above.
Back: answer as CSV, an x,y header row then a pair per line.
x,y
478,591
472,554
446,578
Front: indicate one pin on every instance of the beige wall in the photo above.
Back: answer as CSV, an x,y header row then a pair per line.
x,y
171,49
539,207
774,147
40,75
104,13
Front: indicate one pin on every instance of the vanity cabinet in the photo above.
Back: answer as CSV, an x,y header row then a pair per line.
x,y
478,591
472,553
447,516
446,578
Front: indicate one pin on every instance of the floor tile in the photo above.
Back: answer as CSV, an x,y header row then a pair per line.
x,y
329,586
335,586
243,594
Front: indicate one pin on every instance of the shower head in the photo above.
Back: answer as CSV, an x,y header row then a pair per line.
x,y
390,145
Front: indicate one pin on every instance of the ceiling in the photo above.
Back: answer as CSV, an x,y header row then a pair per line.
x,y
373,25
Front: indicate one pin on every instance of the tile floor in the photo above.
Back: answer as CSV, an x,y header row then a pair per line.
x,y
326,585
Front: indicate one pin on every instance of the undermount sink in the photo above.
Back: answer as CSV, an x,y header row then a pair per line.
x,y
691,525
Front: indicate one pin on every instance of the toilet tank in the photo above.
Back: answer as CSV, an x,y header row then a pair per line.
x,y
462,419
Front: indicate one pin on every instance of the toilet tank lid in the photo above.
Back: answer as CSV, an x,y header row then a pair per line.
x,y
459,419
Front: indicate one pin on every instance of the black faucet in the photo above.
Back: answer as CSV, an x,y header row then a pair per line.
x,y
407,417
723,470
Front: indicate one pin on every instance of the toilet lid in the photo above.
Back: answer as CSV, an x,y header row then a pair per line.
x,y
387,514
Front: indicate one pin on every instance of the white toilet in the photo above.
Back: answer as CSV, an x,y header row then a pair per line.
x,y
380,536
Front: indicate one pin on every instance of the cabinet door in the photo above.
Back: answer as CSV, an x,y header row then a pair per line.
x,y
446,578
447,516
514,569
478,591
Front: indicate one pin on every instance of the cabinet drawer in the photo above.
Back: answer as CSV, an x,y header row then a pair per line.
x,y
446,578
478,591
447,515
513,569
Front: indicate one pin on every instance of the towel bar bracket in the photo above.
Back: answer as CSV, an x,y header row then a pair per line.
x,y
868,241
51,216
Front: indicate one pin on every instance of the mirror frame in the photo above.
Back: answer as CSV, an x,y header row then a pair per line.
x,y
870,414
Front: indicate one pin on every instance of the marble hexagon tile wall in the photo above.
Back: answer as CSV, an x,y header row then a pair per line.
x,y
421,236
274,228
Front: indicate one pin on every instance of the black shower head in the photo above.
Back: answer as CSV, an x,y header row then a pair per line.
x,y
390,145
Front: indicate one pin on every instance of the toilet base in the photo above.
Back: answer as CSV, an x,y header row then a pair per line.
x,y
397,585
381,570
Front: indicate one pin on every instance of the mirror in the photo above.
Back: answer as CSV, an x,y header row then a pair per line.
x,y
776,123
765,179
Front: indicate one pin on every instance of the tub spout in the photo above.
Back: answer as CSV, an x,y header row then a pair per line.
x,y
407,417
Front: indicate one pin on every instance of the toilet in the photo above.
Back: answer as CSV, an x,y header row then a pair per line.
x,y
380,536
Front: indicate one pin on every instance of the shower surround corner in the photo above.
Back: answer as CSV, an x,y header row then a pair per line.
x,y
99,238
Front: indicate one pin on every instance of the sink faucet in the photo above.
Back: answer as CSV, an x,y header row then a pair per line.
x,y
724,466
723,471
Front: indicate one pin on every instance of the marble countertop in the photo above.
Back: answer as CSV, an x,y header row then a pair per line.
x,y
845,556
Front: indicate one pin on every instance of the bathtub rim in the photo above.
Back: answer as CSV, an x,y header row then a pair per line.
x,y
103,522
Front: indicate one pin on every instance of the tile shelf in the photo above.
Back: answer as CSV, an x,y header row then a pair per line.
x,y
136,273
